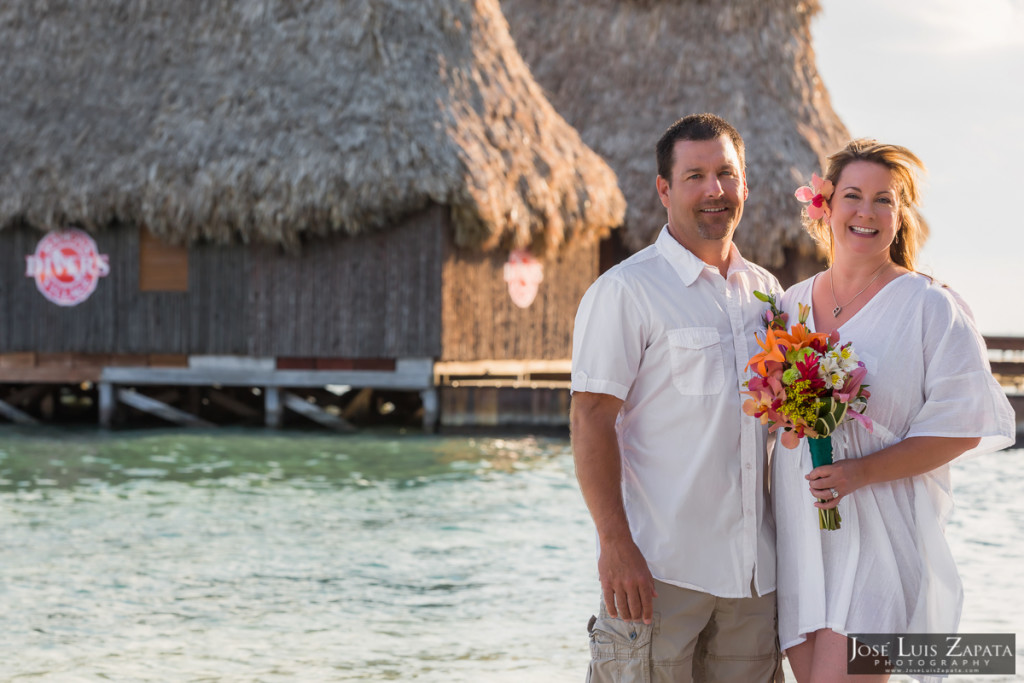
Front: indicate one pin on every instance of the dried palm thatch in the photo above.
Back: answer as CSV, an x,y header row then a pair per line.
x,y
267,120
621,71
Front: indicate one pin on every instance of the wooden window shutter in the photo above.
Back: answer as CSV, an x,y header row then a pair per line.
x,y
162,267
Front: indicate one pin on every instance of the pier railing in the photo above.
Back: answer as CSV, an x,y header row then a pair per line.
x,y
1006,354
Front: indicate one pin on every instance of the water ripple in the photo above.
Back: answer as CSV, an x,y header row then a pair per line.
x,y
247,556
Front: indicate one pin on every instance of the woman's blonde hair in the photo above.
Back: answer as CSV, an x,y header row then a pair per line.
x,y
911,228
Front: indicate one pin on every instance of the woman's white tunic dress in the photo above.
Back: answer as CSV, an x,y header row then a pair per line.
x,y
889,568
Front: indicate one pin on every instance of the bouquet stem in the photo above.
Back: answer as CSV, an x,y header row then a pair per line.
x,y
821,454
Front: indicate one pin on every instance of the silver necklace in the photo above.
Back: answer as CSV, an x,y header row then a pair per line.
x,y
839,309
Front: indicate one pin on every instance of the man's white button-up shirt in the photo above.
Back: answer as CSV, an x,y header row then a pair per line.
x,y
667,334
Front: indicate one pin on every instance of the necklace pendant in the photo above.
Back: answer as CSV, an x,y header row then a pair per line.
x,y
836,311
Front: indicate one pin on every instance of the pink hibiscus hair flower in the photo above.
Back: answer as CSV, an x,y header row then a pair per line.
x,y
817,193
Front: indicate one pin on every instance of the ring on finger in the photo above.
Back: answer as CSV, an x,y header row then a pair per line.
x,y
835,494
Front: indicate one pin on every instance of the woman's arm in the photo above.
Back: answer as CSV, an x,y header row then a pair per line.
x,y
908,458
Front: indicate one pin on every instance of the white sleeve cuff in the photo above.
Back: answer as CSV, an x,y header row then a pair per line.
x,y
581,382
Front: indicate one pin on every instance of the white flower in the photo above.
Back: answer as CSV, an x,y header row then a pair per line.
x,y
830,370
847,358
834,380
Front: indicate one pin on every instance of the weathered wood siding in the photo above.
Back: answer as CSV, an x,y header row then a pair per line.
x,y
380,300
480,322
372,296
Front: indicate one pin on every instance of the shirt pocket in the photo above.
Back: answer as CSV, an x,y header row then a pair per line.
x,y
698,368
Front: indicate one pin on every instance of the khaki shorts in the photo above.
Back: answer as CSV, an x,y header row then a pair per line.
x,y
693,637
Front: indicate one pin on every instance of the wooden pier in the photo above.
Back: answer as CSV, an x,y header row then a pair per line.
x,y
503,393
186,390
1007,358
178,389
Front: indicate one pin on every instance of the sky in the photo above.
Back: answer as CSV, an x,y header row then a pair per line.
x,y
944,78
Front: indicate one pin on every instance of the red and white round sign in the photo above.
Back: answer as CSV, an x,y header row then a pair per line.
x,y
523,273
66,266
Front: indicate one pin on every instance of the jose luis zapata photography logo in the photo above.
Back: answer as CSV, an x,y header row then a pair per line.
x,y
931,653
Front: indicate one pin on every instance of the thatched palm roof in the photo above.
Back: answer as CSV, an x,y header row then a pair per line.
x,y
621,71
269,119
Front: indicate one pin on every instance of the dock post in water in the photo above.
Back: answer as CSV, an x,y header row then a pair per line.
x,y
273,410
107,404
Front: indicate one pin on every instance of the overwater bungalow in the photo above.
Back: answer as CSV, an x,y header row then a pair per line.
x,y
221,208
622,72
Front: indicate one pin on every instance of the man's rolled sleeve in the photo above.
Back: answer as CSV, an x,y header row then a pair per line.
x,y
581,382
608,340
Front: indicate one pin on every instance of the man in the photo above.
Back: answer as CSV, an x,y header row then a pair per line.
x,y
673,473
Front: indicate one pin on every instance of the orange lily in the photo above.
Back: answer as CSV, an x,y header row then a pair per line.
x,y
773,351
800,336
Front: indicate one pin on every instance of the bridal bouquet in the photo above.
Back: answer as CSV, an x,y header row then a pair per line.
x,y
806,384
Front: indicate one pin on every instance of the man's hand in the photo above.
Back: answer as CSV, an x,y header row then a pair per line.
x,y
626,581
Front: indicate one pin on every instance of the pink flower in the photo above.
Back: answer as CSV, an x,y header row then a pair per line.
x,y
790,440
863,419
817,193
851,388
779,321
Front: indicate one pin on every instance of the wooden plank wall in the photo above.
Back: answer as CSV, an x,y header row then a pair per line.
x,y
480,322
118,317
372,296
217,320
380,300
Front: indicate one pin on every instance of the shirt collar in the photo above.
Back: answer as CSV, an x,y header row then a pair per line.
x,y
737,264
687,265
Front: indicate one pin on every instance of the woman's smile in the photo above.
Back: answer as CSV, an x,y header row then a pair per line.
x,y
858,230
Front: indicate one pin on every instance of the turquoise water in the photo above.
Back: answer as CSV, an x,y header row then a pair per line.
x,y
269,556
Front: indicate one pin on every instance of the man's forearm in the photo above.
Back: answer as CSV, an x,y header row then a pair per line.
x,y
599,465
626,580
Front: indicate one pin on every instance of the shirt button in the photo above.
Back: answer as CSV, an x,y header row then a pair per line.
x,y
749,466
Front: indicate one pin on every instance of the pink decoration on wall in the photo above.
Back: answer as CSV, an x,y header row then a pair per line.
x,y
67,266
523,273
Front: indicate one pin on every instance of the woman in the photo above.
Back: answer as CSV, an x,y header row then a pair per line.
x,y
933,399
